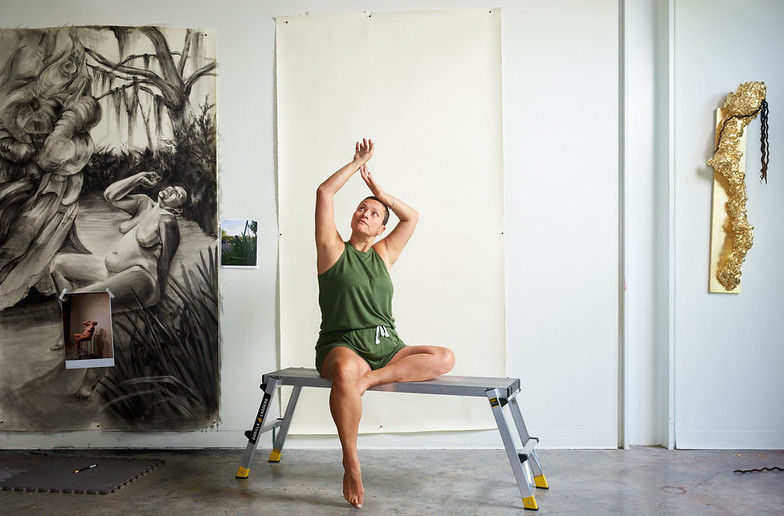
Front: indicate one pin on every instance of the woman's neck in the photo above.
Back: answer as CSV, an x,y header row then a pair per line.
x,y
361,244
162,208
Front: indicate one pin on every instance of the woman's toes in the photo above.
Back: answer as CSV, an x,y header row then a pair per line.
x,y
353,490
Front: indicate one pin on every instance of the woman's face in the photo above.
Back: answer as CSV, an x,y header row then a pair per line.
x,y
368,218
172,197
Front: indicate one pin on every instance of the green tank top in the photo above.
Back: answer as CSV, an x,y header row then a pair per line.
x,y
356,292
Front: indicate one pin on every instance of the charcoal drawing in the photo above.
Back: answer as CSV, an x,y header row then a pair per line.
x,y
108,180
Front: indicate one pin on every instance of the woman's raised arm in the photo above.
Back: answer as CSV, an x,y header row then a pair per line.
x,y
116,193
389,248
328,241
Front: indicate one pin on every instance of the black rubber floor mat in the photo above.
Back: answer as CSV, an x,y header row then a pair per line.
x,y
58,474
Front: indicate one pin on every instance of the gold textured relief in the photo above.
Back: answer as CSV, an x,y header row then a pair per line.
x,y
728,161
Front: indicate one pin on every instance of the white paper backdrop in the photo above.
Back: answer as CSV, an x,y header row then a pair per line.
x,y
427,88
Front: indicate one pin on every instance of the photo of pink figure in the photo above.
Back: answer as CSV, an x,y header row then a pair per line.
x,y
84,345
87,330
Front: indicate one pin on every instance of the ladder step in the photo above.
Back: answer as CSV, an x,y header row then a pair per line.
x,y
276,424
269,427
527,448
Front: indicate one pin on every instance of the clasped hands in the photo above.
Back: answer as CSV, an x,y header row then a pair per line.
x,y
362,154
148,178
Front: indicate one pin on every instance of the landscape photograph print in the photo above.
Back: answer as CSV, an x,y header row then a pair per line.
x,y
108,180
239,243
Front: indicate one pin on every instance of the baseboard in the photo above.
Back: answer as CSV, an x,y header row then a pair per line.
x,y
224,438
723,440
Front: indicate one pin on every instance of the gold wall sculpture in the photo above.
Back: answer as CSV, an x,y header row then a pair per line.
x,y
729,187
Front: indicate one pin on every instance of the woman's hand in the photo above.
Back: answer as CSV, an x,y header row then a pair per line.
x,y
363,151
378,192
149,178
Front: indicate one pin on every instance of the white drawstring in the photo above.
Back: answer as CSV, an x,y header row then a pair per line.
x,y
381,330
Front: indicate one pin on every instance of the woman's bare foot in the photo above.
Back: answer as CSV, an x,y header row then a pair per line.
x,y
353,491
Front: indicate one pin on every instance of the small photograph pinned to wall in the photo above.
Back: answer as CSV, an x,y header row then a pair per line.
x,y
239,244
87,327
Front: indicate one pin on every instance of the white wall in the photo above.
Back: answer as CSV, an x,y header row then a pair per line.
x,y
639,124
729,349
561,168
561,136
702,370
645,219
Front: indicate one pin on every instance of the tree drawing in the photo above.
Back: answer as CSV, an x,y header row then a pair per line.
x,y
168,86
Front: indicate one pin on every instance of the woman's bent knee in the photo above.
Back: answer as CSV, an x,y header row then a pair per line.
x,y
343,367
447,358
345,372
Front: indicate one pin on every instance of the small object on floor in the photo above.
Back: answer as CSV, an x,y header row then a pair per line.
x,y
69,474
760,470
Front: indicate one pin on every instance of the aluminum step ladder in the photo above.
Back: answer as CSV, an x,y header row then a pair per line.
x,y
500,392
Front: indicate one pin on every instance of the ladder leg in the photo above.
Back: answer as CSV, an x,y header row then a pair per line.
x,y
284,426
511,452
253,435
533,461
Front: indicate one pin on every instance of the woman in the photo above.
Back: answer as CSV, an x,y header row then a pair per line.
x,y
137,265
358,346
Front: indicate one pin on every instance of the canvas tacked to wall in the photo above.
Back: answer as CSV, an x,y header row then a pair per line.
x,y
426,86
108,180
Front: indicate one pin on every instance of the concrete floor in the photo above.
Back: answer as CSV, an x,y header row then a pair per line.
x,y
638,481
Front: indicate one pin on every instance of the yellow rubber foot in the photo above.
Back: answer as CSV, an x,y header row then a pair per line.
x,y
274,456
541,482
530,503
242,473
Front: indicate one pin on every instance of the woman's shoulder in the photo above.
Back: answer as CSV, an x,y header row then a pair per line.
x,y
143,201
381,251
165,217
331,259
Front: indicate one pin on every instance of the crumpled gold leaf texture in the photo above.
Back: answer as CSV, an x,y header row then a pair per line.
x,y
726,161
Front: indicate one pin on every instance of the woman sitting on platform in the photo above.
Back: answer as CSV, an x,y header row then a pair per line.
x,y
358,346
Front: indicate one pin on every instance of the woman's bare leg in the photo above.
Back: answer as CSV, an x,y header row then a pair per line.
x,y
72,271
128,286
345,369
412,364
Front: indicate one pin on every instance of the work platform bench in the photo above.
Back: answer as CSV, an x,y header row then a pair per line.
x,y
500,392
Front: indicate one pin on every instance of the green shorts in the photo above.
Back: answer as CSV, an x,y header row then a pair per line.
x,y
363,343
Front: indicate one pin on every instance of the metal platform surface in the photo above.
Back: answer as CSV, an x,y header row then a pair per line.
x,y
445,384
